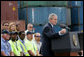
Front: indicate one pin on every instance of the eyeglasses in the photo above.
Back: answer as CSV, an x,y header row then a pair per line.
x,y
6,25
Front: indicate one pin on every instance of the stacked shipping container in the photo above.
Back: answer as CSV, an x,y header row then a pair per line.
x,y
9,10
77,17
74,3
43,3
31,13
9,13
39,15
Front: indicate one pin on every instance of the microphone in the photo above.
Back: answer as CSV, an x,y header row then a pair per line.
x,y
64,26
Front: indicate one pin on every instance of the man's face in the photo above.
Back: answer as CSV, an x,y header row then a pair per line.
x,y
30,28
6,24
13,36
6,36
54,20
30,36
22,36
37,38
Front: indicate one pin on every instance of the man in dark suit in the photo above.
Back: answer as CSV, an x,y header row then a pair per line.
x,y
48,33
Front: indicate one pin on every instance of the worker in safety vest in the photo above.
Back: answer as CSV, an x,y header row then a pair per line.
x,y
15,45
31,46
22,41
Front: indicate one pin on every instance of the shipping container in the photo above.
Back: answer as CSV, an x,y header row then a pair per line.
x,y
74,16
9,10
19,5
81,3
74,3
21,14
81,13
43,3
39,15
77,16
40,28
58,3
50,3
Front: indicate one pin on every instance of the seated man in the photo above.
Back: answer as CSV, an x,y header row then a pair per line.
x,y
5,46
31,46
37,40
22,41
15,45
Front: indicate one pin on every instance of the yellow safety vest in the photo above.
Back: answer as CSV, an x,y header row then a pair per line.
x,y
15,49
31,46
25,51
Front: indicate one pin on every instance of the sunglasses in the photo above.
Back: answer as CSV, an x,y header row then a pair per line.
x,y
37,36
6,25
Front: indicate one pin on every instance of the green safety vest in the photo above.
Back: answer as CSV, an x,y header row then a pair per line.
x,y
31,46
25,51
15,49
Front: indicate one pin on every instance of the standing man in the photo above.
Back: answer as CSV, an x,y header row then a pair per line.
x,y
5,46
29,28
48,33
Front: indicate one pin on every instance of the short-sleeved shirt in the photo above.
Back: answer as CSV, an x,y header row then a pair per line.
x,y
30,45
5,46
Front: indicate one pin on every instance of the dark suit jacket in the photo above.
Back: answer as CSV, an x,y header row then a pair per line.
x,y
47,34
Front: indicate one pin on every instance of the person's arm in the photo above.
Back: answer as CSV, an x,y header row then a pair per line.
x,y
50,34
38,53
3,53
11,53
31,53
2,49
21,53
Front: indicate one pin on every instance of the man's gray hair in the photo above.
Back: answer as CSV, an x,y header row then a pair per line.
x,y
29,25
51,15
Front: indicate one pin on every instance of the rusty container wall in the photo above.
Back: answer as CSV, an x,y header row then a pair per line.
x,y
3,11
9,10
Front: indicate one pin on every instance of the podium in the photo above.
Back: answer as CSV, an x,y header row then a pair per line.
x,y
66,45
80,37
